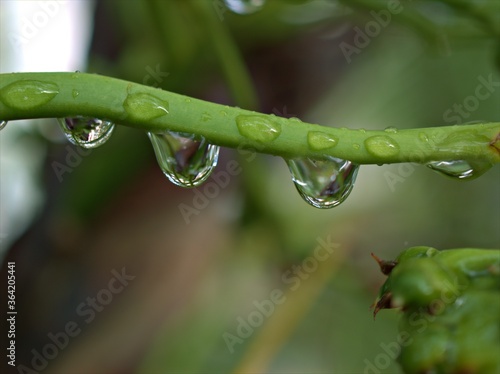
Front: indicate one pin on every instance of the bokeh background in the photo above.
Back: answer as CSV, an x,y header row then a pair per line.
x,y
196,278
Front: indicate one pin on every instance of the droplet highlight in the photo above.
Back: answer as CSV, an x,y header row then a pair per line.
x,y
258,128
244,6
323,183
460,169
28,94
186,160
86,132
142,106
3,124
319,140
382,146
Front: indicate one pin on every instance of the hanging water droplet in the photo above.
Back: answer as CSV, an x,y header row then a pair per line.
x,y
382,146
186,160
460,169
28,94
244,6
323,183
259,128
86,132
319,140
145,107
3,124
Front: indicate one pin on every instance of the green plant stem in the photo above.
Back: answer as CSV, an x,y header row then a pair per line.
x,y
104,97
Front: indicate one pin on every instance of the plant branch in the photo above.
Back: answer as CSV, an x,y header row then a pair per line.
x,y
54,95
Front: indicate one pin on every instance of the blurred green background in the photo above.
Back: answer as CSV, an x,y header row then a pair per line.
x,y
196,279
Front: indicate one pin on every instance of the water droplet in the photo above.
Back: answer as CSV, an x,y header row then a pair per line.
x,y
423,137
75,94
206,117
223,113
294,119
3,124
323,183
86,132
460,169
145,107
319,140
382,146
244,6
258,128
391,130
28,94
188,100
186,160
356,146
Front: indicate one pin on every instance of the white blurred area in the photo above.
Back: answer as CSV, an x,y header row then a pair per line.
x,y
35,36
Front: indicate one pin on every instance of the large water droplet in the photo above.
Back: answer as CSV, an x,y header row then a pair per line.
x,y
86,132
319,140
28,94
323,183
258,128
3,124
382,146
460,169
186,160
244,6
145,107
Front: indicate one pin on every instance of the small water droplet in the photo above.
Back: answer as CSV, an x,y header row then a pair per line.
x,y
187,100
28,94
244,6
75,94
460,169
356,146
186,160
223,113
423,137
323,183
391,130
258,128
86,132
3,124
294,119
145,107
206,117
382,146
319,140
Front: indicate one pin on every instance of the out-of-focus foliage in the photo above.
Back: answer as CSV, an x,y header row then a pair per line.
x,y
451,305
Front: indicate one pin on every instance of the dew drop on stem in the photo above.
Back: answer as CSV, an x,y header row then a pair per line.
x,y
3,124
244,6
460,169
323,183
28,94
86,132
185,159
